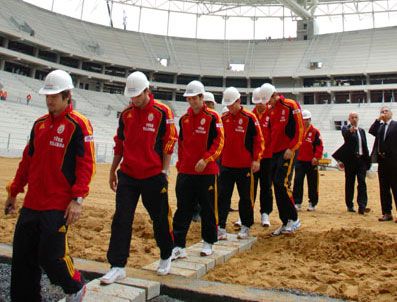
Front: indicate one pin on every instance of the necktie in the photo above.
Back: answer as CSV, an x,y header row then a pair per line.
x,y
381,138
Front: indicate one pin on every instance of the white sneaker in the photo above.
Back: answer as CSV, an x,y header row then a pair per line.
x,y
77,297
238,224
164,266
178,252
244,232
279,231
207,249
298,207
291,226
311,207
115,274
222,235
265,221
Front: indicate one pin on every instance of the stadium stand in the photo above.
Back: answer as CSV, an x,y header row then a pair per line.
x,y
99,59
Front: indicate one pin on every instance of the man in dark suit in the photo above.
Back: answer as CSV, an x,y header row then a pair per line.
x,y
384,153
353,157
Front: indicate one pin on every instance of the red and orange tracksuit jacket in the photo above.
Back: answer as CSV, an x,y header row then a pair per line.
x,y
312,145
286,125
200,137
264,122
143,136
243,139
58,162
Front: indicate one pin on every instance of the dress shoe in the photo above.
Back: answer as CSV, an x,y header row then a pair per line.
x,y
386,217
361,211
351,210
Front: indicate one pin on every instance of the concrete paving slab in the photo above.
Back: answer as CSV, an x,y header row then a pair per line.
x,y
177,271
133,294
227,250
218,256
151,288
92,296
198,267
209,262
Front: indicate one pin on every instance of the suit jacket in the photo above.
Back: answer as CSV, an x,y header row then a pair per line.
x,y
349,150
390,144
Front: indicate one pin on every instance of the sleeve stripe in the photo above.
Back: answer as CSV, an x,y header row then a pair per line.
x,y
92,147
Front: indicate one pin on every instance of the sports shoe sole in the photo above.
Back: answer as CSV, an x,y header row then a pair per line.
x,y
203,254
107,282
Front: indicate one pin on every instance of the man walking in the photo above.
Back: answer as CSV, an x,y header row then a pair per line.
x,y
263,176
241,157
354,158
200,144
143,144
57,165
286,137
306,163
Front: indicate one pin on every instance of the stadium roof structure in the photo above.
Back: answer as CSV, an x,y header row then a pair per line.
x,y
232,7
229,19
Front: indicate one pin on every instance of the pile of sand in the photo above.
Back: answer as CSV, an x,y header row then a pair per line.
x,y
336,253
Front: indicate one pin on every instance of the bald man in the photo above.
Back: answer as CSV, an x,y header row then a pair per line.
x,y
353,157
385,154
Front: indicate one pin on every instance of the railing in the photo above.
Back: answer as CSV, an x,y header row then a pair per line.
x,y
12,146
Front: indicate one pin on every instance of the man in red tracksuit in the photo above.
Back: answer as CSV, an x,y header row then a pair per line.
x,y
200,144
143,144
241,157
263,176
286,137
57,165
309,153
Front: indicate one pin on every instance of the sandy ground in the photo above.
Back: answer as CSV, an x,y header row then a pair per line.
x,y
335,253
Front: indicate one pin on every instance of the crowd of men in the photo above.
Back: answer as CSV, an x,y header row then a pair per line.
x,y
215,152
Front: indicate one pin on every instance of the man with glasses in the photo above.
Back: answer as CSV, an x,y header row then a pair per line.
x,y
384,153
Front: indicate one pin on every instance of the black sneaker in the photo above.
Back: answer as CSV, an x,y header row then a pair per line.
x,y
351,210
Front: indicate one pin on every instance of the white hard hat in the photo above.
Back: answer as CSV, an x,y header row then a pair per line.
x,y
230,95
256,96
56,81
136,83
209,97
306,114
267,91
194,88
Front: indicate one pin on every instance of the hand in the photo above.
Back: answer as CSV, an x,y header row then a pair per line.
x,y
288,154
200,166
314,161
113,181
73,212
353,129
9,207
255,166
382,117
341,166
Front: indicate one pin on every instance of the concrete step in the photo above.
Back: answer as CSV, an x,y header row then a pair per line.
x,y
196,266
126,290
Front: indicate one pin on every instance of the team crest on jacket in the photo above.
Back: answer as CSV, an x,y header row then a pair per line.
x,y
202,122
150,117
240,121
60,129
